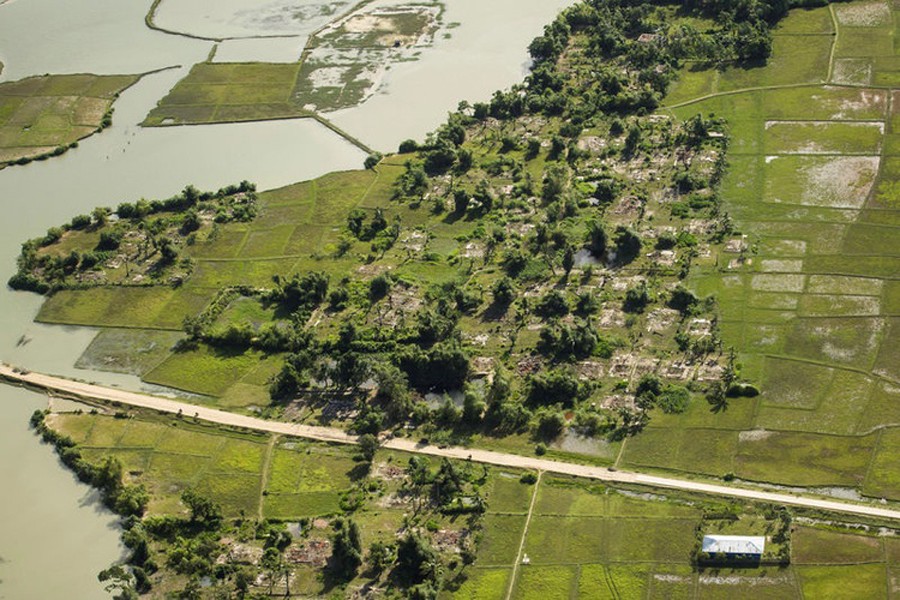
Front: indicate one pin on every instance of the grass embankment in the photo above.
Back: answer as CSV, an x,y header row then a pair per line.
x,y
46,115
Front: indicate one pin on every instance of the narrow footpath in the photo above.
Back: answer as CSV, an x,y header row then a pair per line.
x,y
88,391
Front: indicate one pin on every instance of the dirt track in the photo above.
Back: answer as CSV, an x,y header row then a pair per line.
x,y
67,387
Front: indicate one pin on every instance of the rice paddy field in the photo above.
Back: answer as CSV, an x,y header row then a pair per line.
x,y
813,316
590,541
43,116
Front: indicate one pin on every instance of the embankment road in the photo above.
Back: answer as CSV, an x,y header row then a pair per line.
x,y
91,392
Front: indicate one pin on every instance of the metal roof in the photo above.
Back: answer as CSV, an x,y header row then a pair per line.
x,y
734,544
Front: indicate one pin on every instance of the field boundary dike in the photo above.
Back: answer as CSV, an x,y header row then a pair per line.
x,y
88,391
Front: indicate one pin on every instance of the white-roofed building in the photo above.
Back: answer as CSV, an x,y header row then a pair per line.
x,y
749,546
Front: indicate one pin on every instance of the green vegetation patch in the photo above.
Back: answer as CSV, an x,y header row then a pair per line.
x,y
204,370
545,583
168,456
44,116
594,583
823,137
844,582
484,583
883,478
821,547
553,540
217,92
804,459
306,481
697,450
501,539
135,307
508,494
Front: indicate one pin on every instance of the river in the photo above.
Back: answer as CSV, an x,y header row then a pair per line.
x,y
54,536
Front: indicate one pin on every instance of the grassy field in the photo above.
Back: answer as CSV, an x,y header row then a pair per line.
x,y
43,116
169,456
222,92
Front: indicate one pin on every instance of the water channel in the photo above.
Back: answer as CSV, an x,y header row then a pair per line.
x,y
54,536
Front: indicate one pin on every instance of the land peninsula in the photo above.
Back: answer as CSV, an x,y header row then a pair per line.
x,y
672,247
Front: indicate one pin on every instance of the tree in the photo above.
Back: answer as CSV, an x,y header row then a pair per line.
x,y
379,287
355,221
191,221
416,559
203,510
441,157
101,216
273,562
556,387
552,304
381,556
368,446
460,201
568,260
244,577
636,299
132,500
473,408
346,555
597,240
372,160
393,390
682,299
551,425
628,245
674,399
408,146
109,240
301,291
118,580
632,141
503,291
556,182
167,250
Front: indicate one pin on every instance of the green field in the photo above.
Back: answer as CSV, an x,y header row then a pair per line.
x,y
222,92
169,456
810,314
588,541
43,116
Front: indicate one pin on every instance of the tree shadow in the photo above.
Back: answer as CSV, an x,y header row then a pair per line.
x,y
495,311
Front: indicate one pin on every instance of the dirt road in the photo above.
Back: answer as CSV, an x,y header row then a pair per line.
x,y
67,387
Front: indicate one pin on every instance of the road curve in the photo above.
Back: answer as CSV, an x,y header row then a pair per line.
x,y
88,391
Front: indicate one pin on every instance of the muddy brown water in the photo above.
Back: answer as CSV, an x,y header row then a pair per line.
x,y
54,535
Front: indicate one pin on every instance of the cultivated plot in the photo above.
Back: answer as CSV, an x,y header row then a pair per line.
x,y
44,116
